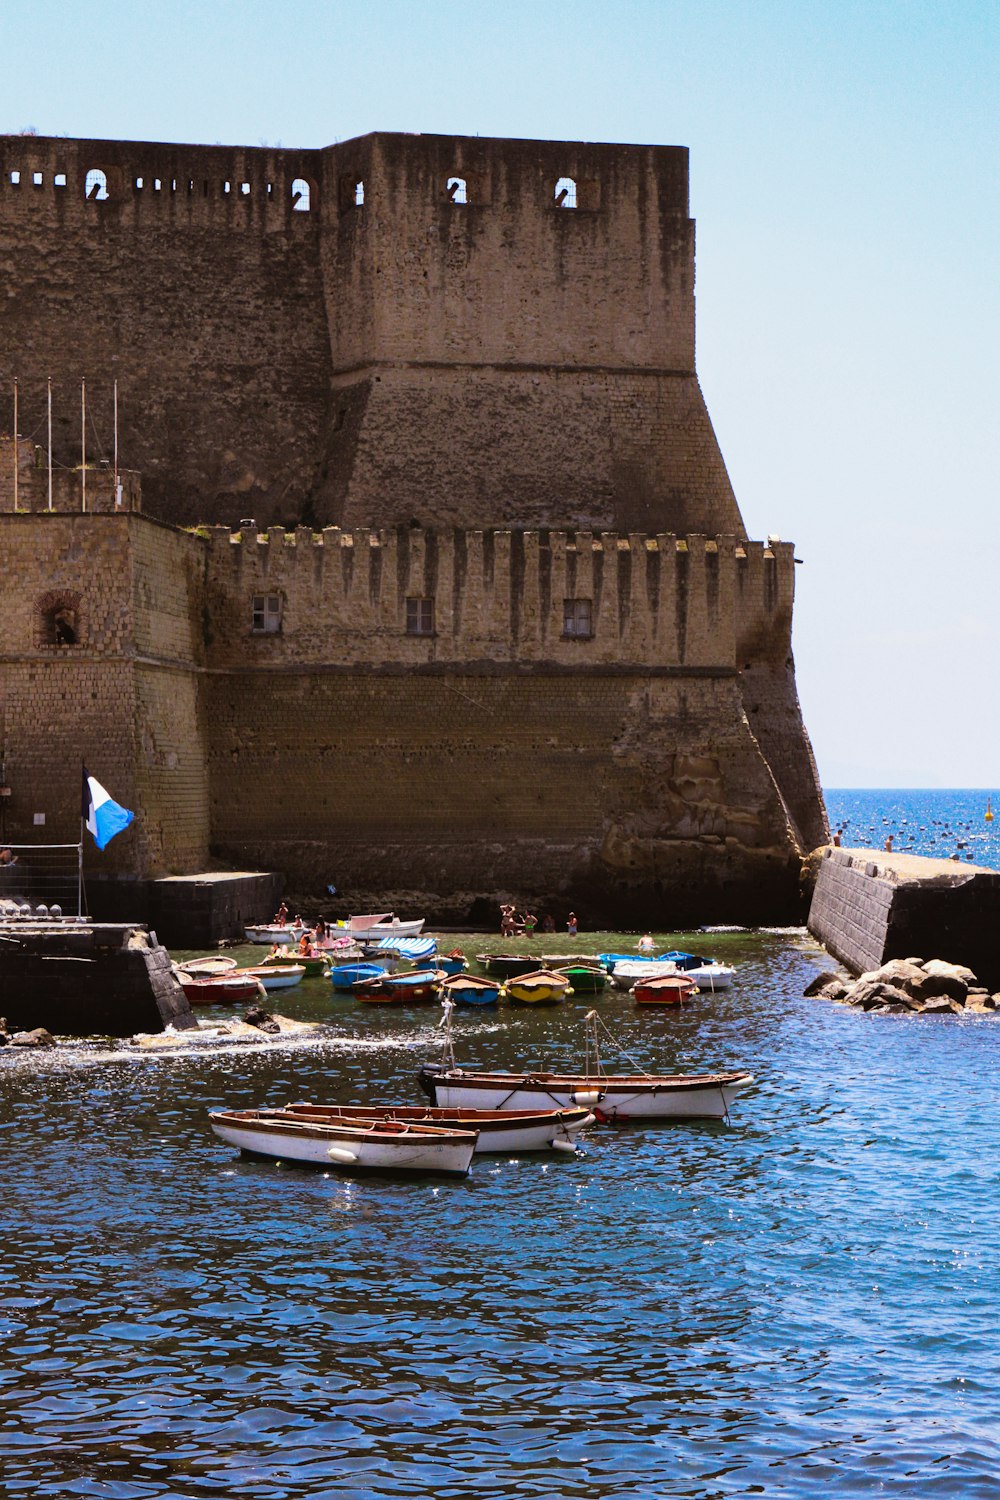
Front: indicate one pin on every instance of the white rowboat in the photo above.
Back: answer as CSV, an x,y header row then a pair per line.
x,y
363,1146
611,1096
498,1130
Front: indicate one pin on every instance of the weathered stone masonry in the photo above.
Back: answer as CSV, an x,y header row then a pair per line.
x,y
483,416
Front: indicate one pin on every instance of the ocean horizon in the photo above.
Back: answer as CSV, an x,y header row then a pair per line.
x,y
942,823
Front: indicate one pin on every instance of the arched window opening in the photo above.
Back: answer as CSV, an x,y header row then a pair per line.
x,y
301,197
227,188
58,620
457,190
352,192
565,193
95,185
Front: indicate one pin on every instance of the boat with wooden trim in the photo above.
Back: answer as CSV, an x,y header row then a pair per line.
x,y
213,963
361,1146
612,1097
668,989
413,988
220,989
497,1129
470,989
540,987
507,965
346,976
284,977
628,972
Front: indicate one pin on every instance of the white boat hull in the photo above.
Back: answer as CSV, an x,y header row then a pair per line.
x,y
711,976
391,930
271,934
609,1097
352,1147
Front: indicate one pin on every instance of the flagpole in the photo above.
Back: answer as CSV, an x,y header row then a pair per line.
x,y
50,442
83,439
16,507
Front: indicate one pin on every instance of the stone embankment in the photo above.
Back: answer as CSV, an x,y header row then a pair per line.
x,y
912,985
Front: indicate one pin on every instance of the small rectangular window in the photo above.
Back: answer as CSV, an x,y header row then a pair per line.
x,y
37,178
420,616
578,618
59,180
15,179
266,614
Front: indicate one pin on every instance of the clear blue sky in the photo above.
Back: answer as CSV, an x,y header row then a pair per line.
x,y
844,175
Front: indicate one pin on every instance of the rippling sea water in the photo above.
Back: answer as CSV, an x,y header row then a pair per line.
x,y
803,1301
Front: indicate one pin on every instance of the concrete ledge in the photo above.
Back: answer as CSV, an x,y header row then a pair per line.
x,y
870,907
190,911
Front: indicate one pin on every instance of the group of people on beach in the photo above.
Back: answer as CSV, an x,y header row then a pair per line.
x,y
513,924
312,941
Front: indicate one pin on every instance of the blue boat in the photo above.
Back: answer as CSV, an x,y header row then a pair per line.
x,y
343,976
469,989
453,963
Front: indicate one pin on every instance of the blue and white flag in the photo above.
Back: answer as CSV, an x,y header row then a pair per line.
x,y
103,817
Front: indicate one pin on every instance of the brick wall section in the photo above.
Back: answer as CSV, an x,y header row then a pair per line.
x,y
124,700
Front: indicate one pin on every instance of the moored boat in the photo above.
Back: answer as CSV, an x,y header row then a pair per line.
x,y
541,987
611,1096
668,989
419,951
313,964
628,972
384,926
222,989
271,932
452,963
361,1146
277,978
585,979
399,989
507,965
470,989
346,976
497,1129
214,963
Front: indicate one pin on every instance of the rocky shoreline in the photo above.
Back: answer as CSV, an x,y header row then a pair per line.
x,y
915,986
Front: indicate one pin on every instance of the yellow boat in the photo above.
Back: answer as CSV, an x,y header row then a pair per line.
x,y
540,987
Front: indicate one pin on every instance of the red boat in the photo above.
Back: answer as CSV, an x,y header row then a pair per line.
x,y
669,989
222,990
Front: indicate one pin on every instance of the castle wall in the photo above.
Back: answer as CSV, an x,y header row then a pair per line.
x,y
502,361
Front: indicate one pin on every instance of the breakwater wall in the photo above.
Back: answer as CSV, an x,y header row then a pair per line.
x,y
87,979
868,908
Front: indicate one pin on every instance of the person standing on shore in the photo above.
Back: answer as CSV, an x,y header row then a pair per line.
x,y
571,925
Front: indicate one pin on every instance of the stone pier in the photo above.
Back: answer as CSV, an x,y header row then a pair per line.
x,y
870,907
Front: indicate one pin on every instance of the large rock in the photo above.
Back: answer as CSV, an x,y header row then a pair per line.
x,y
39,1037
941,978
903,975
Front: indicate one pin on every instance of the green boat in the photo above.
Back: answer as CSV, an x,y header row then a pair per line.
x,y
586,979
312,966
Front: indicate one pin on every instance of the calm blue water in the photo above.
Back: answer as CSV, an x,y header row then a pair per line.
x,y
940,824
802,1302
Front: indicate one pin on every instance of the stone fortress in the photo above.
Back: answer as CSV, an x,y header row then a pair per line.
x,y
421,571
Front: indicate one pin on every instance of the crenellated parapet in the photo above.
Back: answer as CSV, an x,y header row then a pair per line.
x,y
419,598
